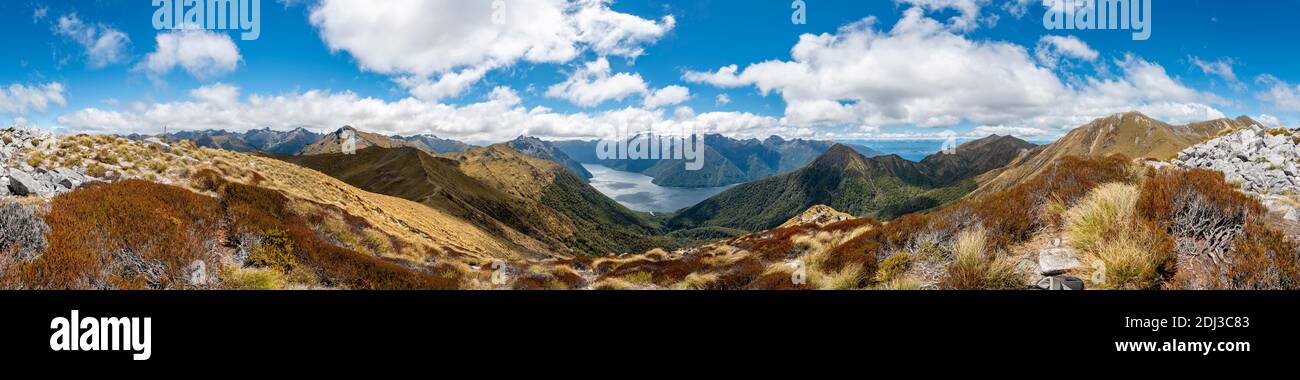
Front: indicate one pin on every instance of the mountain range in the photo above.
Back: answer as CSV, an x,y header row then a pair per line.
x,y
727,161
303,141
882,187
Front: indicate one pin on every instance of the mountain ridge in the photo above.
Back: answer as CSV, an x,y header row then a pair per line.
x,y
881,187
1131,134
727,161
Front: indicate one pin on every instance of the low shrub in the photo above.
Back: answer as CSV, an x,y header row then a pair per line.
x,y
1013,215
894,266
1197,208
254,279
275,252
22,233
128,235
1262,259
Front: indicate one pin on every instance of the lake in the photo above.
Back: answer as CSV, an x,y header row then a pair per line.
x,y
637,192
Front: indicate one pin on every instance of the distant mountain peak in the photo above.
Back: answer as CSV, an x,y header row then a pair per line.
x,y
538,148
1246,120
839,157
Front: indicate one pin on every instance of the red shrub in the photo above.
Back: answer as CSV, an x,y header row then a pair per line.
x,y
128,235
1196,207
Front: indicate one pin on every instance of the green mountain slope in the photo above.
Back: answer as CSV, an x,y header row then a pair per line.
x,y
882,187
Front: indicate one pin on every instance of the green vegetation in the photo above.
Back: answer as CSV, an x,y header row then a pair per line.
x,y
884,187
275,251
254,279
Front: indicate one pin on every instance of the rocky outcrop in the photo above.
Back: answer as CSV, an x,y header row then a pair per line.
x,y
19,178
1262,162
820,215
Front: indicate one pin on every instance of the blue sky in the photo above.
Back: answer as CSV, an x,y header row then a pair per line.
x,y
582,68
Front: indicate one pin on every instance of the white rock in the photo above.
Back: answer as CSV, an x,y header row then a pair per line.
x,y
1054,261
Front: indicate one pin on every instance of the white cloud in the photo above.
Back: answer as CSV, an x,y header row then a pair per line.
x,y
612,33
921,73
725,77
1018,8
20,99
39,13
104,45
218,93
498,118
1221,68
986,130
201,53
968,17
593,84
447,86
667,96
1268,120
1280,95
451,45
723,99
1051,49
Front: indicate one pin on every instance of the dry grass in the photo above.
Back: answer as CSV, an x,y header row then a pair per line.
x,y
254,279
975,268
1094,220
698,281
1138,256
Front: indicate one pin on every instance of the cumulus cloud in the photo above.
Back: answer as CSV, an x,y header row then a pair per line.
x,y
201,53
103,45
1052,49
1268,120
986,130
725,77
219,93
968,17
499,117
722,99
1279,94
667,96
593,84
21,99
394,37
1018,8
922,73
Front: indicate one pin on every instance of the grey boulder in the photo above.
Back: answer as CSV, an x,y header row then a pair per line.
x,y
1055,261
